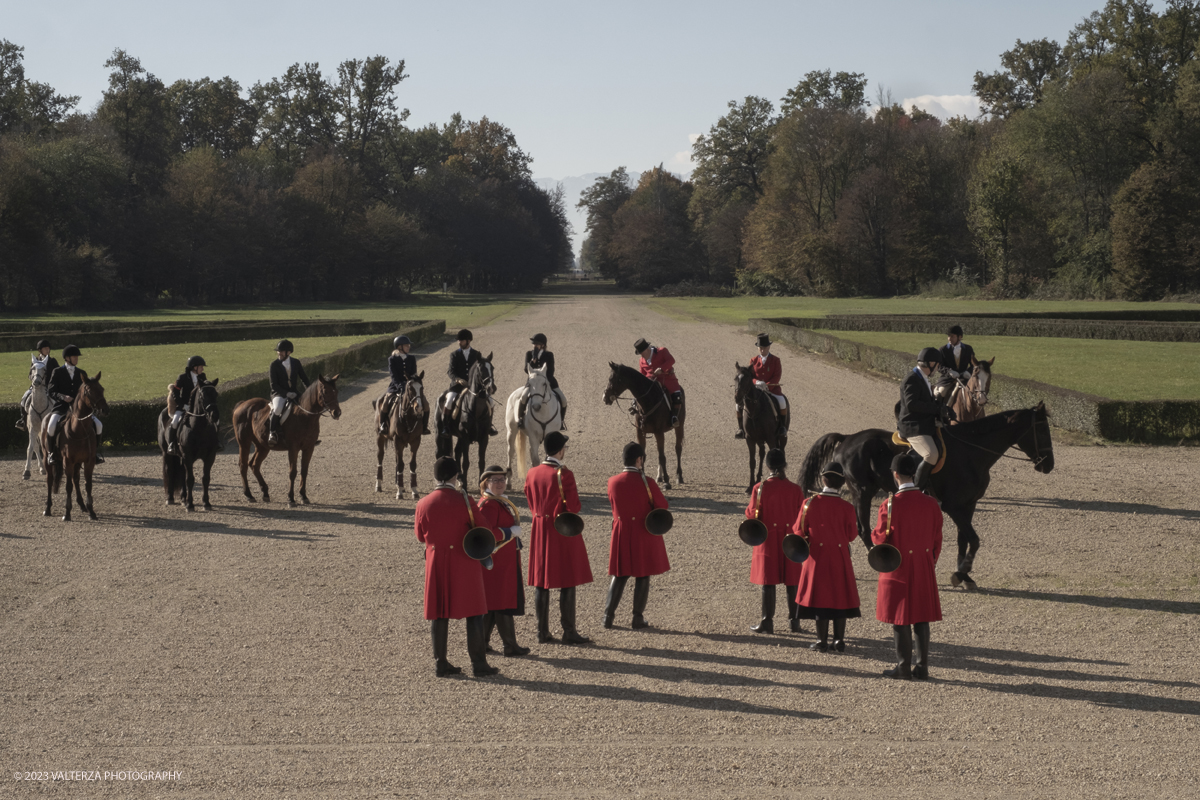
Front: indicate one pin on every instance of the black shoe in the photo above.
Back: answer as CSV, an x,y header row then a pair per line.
x,y
515,651
492,431
740,435
639,622
609,619
898,673
445,668
794,624
821,646
840,645
425,430
482,669
920,673
767,625
574,637
674,421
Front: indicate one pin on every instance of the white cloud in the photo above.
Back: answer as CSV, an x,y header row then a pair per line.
x,y
681,162
945,106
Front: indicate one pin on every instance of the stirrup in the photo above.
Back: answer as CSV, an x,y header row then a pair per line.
x,y
21,424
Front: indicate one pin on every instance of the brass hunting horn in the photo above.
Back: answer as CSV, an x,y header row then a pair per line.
x,y
480,542
885,557
567,523
516,515
753,532
659,520
795,546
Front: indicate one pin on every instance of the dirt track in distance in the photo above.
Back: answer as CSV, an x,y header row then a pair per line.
x,y
267,652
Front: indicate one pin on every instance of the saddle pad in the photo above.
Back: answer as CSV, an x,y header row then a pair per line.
x,y
900,441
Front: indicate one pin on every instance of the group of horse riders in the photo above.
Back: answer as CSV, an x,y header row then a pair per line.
x,y
62,383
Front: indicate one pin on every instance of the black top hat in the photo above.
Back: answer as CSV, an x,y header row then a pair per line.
x,y
445,469
555,442
640,345
764,340
904,464
632,452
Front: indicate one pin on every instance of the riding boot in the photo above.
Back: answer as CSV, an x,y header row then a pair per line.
x,y
741,431
172,442
920,669
566,608
21,426
793,608
273,436
822,642
508,635
921,479
562,412
52,449
425,422
641,596
477,648
767,624
541,607
489,624
785,420
839,635
441,634
904,647
616,588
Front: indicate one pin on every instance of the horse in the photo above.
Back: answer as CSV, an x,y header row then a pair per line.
x,y
652,409
971,450
39,407
474,421
78,448
299,434
969,399
759,420
543,416
404,430
199,438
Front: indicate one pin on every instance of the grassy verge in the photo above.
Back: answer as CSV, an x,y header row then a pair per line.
x,y
1120,370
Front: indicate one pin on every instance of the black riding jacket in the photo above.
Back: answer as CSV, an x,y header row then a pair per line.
x,y
535,359
917,410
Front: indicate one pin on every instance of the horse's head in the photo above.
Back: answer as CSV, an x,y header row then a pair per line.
x,y
91,396
35,372
539,387
482,377
327,395
615,386
204,401
414,392
743,381
982,378
1035,442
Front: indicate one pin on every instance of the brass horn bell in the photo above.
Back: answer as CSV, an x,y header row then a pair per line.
x,y
795,548
568,524
884,558
479,544
753,532
659,521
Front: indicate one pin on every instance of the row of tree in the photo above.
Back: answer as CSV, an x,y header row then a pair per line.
x,y
305,187
1081,178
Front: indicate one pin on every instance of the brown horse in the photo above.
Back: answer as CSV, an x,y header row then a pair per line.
x,y
78,447
652,414
298,435
969,400
404,430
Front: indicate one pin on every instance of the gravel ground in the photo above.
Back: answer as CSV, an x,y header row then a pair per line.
x,y
258,651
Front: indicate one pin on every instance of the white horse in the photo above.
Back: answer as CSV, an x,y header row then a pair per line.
x,y
542,416
39,407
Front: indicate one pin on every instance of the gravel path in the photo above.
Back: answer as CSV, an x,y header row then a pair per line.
x,y
265,652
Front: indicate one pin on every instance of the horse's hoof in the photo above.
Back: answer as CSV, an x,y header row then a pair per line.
x,y
416,495
92,514
304,500
378,487
26,475
66,518
191,508
46,513
969,584
208,507
955,579
266,498
291,503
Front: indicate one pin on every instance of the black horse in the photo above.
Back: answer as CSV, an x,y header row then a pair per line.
x,y
474,422
971,450
652,409
759,420
199,438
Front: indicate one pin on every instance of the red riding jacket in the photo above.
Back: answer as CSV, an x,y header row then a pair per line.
x,y
633,551
910,594
769,370
660,358
780,501
453,580
555,561
827,577
502,583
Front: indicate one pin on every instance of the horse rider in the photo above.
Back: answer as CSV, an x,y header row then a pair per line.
x,y
768,369
537,358
461,361
64,384
502,584
287,382
658,364
453,580
907,598
776,503
403,368
48,365
633,551
918,413
828,590
958,360
179,394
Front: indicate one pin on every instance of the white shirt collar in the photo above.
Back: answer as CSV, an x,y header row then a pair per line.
x,y
446,486
631,469
831,492
466,353
552,460
71,370
904,486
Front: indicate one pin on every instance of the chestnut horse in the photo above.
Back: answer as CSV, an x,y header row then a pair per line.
x,y
404,430
298,435
969,400
652,414
78,448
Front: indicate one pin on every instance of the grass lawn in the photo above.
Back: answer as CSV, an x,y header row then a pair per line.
x,y
142,373
1117,369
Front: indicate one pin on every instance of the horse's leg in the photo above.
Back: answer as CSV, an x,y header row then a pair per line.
x,y
29,451
398,478
679,452
292,469
861,501
243,464
412,466
79,486
87,478
68,473
750,445
49,491
305,457
189,482
166,473
483,444
260,455
664,474
968,545
380,450
208,464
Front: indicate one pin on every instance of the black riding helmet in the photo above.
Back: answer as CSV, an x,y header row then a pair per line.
x,y
284,345
538,338
464,334
931,356
195,361
399,340
42,344
71,350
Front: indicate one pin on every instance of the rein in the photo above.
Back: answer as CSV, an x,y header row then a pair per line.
x,y
1004,454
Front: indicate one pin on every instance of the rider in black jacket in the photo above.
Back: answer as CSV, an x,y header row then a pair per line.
x,y
918,412
537,358
287,382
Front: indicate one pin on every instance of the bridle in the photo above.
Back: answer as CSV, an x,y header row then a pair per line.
x,y
544,396
1037,448
637,399
325,409
412,400
210,412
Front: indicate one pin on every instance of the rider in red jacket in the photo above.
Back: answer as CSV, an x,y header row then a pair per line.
x,y
768,370
658,364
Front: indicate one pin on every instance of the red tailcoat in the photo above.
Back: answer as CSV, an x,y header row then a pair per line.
x,y
453,580
633,550
910,594
555,561
781,501
769,371
827,577
501,582
666,362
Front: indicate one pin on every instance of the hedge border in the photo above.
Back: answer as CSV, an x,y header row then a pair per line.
x,y
136,422
1157,422
1131,330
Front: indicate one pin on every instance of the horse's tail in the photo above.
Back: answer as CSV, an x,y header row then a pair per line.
x,y
522,451
818,455
56,472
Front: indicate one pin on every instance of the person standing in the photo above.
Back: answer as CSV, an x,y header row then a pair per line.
x,y
776,502
502,583
958,360
917,413
768,370
828,589
633,551
453,580
658,365
538,358
555,561
907,598
288,380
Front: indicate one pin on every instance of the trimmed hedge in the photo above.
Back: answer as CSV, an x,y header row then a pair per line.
x,y
136,422
1159,422
1133,330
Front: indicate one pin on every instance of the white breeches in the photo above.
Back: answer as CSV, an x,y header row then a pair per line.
x,y
52,426
925,447
176,419
281,408
450,398
780,399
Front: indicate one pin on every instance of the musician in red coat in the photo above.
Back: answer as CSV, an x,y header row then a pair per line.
x,y
768,371
912,522
776,501
633,550
555,561
453,580
502,583
828,589
658,364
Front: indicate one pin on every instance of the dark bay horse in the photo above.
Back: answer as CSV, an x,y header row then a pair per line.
x,y
652,412
404,430
199,435
971,450
299,434
474,422
969,400
759,420
78,450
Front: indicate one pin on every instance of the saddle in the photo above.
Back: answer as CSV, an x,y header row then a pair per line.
x,y
900,441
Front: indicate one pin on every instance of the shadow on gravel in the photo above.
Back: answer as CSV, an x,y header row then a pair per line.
x,y
199,523
1017,663
1102,506
1132,603
14,536
831,668
1121,700
664,698
312,513
675,674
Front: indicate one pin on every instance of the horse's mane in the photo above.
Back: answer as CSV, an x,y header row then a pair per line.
x,y
633,375
989,424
